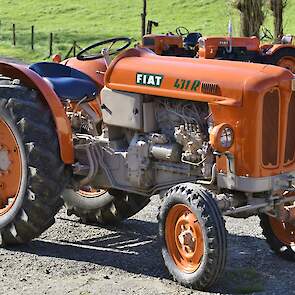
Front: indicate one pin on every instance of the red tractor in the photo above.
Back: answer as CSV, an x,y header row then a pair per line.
x,y
246,49
213,138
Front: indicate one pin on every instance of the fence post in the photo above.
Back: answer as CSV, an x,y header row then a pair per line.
x,y
74,47
143,18
50,44
13,35
32,38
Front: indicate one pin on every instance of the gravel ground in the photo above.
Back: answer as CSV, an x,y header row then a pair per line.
x,y
73,258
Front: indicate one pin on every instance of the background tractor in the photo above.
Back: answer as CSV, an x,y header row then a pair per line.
x,y
212,138
246,49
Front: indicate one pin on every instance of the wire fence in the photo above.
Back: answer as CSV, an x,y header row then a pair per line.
x,y
30,39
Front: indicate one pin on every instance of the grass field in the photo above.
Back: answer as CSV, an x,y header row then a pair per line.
x,y
95,20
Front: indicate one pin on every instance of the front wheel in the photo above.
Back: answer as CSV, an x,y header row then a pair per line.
x,y
193,236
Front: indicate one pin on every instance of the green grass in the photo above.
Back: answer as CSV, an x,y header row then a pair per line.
x,y
93,20
243,280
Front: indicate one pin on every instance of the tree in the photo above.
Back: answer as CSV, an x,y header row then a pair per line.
x,y
277,7
252,16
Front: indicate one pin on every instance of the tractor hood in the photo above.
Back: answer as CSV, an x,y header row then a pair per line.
x,y
139,70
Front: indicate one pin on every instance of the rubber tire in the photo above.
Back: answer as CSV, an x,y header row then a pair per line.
x,y
281,249
44,175
278,55
202,204
108,209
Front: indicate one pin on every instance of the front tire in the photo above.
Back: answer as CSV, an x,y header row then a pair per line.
x,y
32,172
193,236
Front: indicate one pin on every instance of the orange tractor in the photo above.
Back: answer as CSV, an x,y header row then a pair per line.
x,y
247,49
212,138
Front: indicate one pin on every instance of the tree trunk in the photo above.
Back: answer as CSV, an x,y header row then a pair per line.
x,y
252,16
277,7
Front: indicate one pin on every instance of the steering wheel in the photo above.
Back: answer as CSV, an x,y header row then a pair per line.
x,y
182,31
81,55
266,34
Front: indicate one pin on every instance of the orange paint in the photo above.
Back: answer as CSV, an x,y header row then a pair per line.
x,y
215,136
184,238
239,103
10,179
287,62
209,46
274,48
283,231
95,69
162,42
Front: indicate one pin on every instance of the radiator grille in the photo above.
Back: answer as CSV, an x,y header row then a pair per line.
x,y
270,128
290,141
210,88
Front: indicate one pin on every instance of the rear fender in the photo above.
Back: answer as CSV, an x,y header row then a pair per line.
x,y
277,47
63,126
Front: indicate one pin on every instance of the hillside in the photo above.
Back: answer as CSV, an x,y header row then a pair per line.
x,y
95,20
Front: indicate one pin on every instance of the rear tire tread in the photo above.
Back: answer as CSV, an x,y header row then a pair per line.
x,y
282,250
42,200
119,209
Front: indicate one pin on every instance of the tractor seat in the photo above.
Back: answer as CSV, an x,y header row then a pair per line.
x,y
192,39
68,83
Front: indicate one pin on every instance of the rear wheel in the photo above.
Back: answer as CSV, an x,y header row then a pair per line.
x,y
279,235
285,58
101,206
32,173
193,236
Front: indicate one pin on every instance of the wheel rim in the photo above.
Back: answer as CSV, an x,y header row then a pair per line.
x,y
10,168
284,231
184,238
287,62
89,192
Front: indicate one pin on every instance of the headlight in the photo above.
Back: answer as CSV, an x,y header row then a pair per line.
x,y
227,137
222,137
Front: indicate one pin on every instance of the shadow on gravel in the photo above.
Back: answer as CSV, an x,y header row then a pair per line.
x,y
133,247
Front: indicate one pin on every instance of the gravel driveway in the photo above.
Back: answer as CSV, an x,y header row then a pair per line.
x,y
72,258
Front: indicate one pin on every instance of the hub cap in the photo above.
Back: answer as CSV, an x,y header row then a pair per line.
x,y
284,231
10,168
90,192
184,238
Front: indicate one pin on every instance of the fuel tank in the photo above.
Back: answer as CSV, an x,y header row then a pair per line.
x,y
140,70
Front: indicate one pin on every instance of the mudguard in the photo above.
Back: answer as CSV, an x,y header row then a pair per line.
x,y
277,47
63,126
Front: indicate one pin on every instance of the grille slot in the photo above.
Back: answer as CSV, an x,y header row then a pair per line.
x,y
290,141
209,88
270,128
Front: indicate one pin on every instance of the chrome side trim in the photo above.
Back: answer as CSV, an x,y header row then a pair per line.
x,y
255,185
